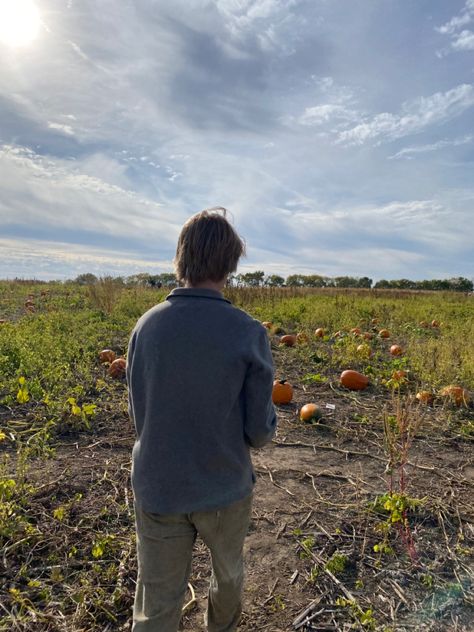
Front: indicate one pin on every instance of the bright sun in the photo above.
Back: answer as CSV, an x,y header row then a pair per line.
x,y
19,22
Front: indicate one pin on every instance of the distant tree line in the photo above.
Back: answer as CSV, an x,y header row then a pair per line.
x,y
165,279
259,279
457,284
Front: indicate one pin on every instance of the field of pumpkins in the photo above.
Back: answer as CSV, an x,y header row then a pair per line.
x,y
377,361
363,516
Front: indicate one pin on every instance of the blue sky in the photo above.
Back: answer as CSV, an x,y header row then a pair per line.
x,y
338,133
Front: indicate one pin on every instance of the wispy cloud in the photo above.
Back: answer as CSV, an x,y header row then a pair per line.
x,y
462,39
66,129
408,152
54,194
336,105
416,116
60,260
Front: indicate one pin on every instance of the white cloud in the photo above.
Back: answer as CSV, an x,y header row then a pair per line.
x,y
66,129
55,260
408,152
415,117
41,191
453,24
320,114
338,104
464,41
461,39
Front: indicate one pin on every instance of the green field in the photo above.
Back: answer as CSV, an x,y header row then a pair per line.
x,y
66,508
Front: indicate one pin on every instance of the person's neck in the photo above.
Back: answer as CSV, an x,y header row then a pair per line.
x,y
207,285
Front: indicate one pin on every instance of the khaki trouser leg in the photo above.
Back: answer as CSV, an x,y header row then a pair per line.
x,y
224,533
164,548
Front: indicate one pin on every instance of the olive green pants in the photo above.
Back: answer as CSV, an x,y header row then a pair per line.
x,y
164,549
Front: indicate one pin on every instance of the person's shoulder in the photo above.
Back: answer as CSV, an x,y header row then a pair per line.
x,y
247,320
150,316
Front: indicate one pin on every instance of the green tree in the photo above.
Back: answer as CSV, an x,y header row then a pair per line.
x,y
274,280
295,280
253,279
86,279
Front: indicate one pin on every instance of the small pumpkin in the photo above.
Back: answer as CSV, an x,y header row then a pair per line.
x,y
310,413
267,324
354,380
435,323
375,321
302,338
368,335
320,332
282,392
423,323
289,340
106,355
356,331
399,375
456,394
384,333
117,368
425,397
396,350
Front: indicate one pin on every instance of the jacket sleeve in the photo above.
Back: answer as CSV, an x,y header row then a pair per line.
x,y
260,417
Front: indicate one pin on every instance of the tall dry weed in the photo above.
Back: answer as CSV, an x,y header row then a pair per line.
x,y
105,293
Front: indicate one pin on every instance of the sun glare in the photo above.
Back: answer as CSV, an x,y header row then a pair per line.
x,y
19,22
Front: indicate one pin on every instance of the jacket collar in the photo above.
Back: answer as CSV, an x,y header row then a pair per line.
x,y
197,293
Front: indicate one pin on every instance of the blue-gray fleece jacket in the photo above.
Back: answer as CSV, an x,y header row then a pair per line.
x,y
200,375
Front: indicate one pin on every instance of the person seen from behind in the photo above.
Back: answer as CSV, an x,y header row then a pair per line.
x,y
200,375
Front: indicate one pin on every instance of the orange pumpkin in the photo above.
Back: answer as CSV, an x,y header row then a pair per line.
x,y
107,355
282,392
399,375
384,333
434,323
423,323
289,340
396,350
117,368
354,380
356,331
319,333
425,397
310,413
267,324
456,394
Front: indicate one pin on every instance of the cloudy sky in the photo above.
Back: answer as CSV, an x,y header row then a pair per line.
x,y
338,133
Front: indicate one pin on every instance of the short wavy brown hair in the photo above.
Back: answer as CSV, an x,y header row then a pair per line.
x,y
208,249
